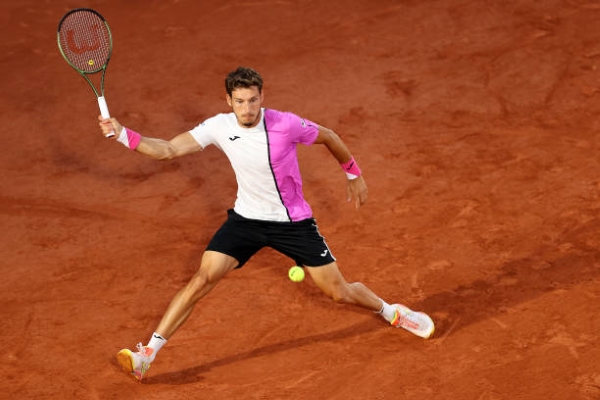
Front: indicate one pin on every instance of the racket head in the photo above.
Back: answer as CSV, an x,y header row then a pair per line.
x,y
85,40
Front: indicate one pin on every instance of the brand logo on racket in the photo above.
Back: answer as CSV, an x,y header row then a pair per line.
x,y
92,45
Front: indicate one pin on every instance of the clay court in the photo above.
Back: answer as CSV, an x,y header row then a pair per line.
x,y
476,125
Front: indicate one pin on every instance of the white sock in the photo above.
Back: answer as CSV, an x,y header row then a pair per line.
x,y
156,343
387,311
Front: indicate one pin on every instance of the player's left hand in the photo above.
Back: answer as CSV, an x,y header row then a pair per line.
x,y
357,191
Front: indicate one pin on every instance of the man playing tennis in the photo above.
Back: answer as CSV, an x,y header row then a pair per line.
x,y
269,210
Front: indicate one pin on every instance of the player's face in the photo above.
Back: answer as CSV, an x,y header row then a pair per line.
x,y
246,103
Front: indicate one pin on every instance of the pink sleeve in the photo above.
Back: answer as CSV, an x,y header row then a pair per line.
x,y
307,130
300,130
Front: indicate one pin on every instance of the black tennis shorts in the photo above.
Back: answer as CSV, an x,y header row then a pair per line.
x,y
241,238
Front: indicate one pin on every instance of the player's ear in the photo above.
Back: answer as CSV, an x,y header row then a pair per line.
x,y
228,97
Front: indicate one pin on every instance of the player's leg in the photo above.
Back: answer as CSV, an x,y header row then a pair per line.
x,y
302,242
232,245
213,267
331,281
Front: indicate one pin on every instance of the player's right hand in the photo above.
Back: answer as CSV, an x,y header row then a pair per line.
x,y
109,125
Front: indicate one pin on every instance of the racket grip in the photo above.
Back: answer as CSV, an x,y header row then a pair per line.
x,y
104,111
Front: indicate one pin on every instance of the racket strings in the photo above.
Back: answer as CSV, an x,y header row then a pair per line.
x,y
85,40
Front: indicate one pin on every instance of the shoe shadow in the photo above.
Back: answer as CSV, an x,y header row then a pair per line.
x,y
518,281
194,374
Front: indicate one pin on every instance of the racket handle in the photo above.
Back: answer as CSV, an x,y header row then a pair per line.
x,y
104,111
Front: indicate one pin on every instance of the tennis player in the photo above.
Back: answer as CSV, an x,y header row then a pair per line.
x,y
270,209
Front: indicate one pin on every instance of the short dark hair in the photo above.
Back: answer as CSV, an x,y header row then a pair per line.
x,y
243,77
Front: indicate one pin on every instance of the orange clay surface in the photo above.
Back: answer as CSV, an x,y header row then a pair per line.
x,y
476,126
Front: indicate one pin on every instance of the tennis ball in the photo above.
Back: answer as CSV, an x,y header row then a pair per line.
x,y
91,62
296,274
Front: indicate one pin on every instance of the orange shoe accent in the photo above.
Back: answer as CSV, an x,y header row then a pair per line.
x,y
135,364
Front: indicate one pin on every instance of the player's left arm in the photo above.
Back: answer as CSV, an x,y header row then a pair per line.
x,y
356,187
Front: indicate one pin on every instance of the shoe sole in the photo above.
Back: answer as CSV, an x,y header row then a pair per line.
x,y
124,359
430,334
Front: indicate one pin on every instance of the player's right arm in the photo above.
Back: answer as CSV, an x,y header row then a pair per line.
x,y
159,149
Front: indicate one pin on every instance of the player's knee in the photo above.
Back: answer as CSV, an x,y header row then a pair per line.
x,y
198,282
207,277
339,293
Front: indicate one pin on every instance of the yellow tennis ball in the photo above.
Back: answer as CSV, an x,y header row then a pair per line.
x,y
296,274
91,62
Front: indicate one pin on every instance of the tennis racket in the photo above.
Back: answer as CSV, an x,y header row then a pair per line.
x,y
85,41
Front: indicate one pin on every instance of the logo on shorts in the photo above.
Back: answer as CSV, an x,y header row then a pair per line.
x,y
234,138
324,253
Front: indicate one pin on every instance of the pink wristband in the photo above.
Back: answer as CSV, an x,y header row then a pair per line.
x,y
134,138
351,169
130,139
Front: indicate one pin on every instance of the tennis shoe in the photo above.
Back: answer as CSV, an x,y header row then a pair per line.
x,y
138,363
415,322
